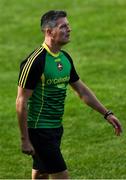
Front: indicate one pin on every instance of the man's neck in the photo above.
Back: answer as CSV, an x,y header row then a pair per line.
x,y
55,48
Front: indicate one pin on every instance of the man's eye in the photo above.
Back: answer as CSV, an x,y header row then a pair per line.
x,y
64,26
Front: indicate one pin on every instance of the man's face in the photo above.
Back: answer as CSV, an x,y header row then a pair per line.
x,y
61,33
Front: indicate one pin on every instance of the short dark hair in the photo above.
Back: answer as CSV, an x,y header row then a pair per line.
x,y
49,18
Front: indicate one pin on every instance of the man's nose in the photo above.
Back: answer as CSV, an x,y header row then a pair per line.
x,y
69,29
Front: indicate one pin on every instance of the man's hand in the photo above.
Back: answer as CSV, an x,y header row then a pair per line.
x,y
27,148
115,123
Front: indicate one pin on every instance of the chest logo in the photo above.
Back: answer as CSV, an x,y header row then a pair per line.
x,y
59,66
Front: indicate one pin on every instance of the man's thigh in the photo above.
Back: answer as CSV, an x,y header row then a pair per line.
x,y
48,158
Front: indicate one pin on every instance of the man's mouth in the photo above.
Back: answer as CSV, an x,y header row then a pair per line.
x,y
68,35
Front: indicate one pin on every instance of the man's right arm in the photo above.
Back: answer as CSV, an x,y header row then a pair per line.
x,y
21,108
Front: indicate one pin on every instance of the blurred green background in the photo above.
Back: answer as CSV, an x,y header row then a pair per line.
x,y
98,48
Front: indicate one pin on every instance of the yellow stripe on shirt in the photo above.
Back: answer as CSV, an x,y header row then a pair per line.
x,y
27,67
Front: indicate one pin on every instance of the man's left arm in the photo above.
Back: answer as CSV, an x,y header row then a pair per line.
x,y
91,100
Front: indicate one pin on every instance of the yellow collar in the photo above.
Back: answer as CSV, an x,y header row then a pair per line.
x,y
47,48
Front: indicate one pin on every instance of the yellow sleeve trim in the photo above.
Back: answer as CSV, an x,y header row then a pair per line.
x,y
26,69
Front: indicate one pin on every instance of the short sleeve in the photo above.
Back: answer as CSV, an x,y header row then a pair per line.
x,y
73,74
31,70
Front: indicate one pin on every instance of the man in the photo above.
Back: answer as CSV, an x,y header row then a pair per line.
x,y
43,79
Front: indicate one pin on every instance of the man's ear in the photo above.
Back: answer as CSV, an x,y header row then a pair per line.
x,y
49,31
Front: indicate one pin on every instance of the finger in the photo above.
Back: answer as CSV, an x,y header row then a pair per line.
x,y
32,152
27,152
118,126
117,131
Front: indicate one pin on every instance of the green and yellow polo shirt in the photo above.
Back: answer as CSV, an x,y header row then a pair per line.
x,y
48,75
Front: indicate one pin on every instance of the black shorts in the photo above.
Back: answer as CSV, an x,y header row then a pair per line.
x,y
48,157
